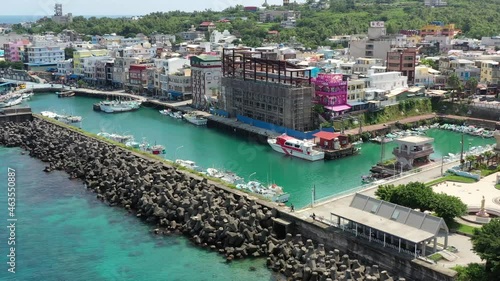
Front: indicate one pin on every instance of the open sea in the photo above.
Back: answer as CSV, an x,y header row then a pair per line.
x,y
64,233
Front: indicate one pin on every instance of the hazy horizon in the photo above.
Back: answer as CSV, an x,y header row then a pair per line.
x,y
42,8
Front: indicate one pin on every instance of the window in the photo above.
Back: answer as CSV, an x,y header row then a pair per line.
x,y
374,208
395,215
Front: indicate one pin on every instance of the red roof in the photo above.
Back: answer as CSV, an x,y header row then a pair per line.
x,y
206,23
326,135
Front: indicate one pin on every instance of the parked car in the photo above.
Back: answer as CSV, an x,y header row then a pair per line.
x,y
483,98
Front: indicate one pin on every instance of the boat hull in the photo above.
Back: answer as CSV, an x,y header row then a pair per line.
x,y
288,151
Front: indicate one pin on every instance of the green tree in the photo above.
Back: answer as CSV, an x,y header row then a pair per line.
x,y
448,207
471,272
470,159
471,85
430,63
455,83
68,52
486,243
414,195
386,192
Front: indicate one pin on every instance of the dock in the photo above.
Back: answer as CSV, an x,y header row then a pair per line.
x,y
340,153
15,114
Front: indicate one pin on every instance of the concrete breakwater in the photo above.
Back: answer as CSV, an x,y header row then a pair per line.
x,y
213,216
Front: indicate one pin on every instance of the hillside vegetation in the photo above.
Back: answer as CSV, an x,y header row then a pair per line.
x,y
475,18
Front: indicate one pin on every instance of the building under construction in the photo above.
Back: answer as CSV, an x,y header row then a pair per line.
x,y
273,91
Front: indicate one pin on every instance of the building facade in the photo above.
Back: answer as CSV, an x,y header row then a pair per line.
x,y
14,51
206,76
404,61
271,91
490,72
331,93
45,55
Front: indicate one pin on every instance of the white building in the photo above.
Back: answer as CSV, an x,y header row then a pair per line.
x,y
362,65
490,41
166,67
45,55
91,72
435,3
65,67
221,37
425,76
381,83
206,73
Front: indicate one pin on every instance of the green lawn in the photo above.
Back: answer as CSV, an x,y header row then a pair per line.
x,y
497,186
462,228
452,178
435,257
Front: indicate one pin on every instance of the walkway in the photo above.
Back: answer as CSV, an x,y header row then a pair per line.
x,y
377,127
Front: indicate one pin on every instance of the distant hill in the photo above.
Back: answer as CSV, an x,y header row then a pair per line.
x,y
475,18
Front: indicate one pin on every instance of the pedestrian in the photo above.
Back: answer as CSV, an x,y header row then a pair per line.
x,y
292,208
314,216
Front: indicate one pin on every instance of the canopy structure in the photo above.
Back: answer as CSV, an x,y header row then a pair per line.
x,y
392,225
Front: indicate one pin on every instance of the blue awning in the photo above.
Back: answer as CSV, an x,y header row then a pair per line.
x,y
354,103
74,76
175,93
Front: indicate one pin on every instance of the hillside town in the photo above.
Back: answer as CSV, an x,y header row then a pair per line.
x,y
376,69
414,112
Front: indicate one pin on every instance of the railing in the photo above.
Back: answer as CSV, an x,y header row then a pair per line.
x,y
367,237
413,154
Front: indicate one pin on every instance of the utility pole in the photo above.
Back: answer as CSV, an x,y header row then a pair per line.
x,y
462,154
442,164
313,195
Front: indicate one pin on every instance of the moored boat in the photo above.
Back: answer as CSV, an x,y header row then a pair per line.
x,y
27,96
119,106
11,101
294,147
157,149
187,164
195,119
165,111
116,137
176,115
66,119
272,192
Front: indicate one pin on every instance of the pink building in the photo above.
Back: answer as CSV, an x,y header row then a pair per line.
x,y
331,92
14,51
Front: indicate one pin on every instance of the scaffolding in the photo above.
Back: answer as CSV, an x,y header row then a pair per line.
x,y
255,65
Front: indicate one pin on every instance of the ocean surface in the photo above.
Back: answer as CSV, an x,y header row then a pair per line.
x,y
32,18
64,233
252,161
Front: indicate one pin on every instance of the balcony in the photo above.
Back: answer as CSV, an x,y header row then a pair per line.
x,y
423,152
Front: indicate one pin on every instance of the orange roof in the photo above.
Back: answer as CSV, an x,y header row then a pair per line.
x,y
326,135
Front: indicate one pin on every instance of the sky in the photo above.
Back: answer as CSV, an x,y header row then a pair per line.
x,y
121,7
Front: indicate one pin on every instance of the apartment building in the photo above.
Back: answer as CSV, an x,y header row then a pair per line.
x,y
206,74
45,55
15,51
362,65
79,55
403,60
490,72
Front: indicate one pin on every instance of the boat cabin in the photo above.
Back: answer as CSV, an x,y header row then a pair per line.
x,y
413,151
331,141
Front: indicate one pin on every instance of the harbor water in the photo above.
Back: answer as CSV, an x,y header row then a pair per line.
x,y
64,233
211,148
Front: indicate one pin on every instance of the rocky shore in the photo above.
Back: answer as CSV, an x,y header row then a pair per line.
x,y
231,223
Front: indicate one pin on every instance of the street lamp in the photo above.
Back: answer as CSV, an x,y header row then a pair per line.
x,y
175,155
251,175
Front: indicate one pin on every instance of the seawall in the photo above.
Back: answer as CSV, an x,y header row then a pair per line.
x,y
213,216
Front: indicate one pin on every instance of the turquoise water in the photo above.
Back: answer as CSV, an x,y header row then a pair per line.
x,y
64,233
212,148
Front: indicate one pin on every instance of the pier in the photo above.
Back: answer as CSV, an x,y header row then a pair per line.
x,y
15,114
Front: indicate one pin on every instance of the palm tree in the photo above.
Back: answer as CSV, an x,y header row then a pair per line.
x,y
471,85
488,155
470,159
455,83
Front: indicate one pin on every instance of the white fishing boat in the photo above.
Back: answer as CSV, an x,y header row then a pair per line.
x,y
119,106
12,101
66,119
27,96
272,192
176,115
187,164
157,149
116,137
195,119
165,112
214,173
298,148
